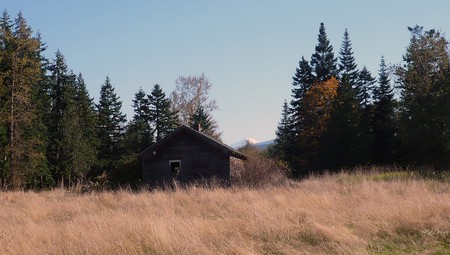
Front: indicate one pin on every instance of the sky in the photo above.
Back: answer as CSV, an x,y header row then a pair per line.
x,y
248,49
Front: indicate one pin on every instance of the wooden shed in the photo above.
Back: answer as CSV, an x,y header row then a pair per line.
x,y
187,155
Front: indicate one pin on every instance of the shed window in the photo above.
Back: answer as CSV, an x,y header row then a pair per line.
x,y
175,166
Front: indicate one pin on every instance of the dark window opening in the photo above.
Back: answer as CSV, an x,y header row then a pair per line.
x,y
175,166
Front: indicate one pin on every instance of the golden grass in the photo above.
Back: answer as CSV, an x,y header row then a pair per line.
x,y
335,214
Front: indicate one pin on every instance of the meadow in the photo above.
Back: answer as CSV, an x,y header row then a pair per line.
x,y
376,213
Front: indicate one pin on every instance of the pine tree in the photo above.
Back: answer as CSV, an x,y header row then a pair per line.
x,y
383,118
201,119
110,125
323,62
341,146
164,119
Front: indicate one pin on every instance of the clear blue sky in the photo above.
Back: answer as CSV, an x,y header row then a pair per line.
x,y
248,49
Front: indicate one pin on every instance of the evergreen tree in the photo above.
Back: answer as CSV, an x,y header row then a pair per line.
x,y
71,150
20,71
6,38
86,143
40,176
364,88
302,81
110,125
341,145
425,87
285,137
164,119
59,81
201,119
139,131
323,62
383,118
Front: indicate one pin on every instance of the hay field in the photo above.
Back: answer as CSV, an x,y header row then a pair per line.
x,y
335,214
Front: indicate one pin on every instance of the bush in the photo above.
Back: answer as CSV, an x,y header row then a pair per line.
x,y
258,170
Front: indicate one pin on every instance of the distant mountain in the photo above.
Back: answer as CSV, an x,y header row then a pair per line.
x,y
265,144
260,145
243,142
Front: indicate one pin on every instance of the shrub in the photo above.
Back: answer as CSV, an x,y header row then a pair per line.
x,y
258,170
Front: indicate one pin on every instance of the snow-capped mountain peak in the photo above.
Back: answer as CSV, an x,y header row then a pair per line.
x,y
253,142
243,143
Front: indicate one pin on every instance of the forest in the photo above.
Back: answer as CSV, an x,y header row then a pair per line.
x,y
53,134
341,117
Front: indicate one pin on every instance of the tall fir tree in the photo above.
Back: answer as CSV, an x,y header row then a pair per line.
x,y
40,176
71,149
110,126
86,144
341,145
164,119
364,93
384,127
301,81
323,62
59,81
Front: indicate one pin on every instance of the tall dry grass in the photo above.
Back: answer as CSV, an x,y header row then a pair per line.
x,y
335,214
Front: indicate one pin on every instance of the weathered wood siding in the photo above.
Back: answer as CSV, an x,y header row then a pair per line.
x,y
198,160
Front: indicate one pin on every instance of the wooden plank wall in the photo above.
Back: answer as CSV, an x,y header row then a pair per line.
x,y
198,160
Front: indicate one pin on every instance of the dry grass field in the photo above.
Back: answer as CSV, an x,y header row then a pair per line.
x,y
388,213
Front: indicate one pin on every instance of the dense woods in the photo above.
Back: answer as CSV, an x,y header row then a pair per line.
x,y
52,133
341,116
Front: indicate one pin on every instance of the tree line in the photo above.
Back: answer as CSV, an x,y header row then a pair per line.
x,y
341,116
52,133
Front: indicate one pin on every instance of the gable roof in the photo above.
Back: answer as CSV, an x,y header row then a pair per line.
x,y
211,141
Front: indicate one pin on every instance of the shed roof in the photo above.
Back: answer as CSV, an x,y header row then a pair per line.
x,y
211,141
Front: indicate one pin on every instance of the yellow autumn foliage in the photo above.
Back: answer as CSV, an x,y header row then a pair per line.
x,y
318,105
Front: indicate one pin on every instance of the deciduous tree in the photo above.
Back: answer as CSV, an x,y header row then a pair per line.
x,y
190,93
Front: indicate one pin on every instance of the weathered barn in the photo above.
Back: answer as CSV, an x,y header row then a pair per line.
x,y
187,155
